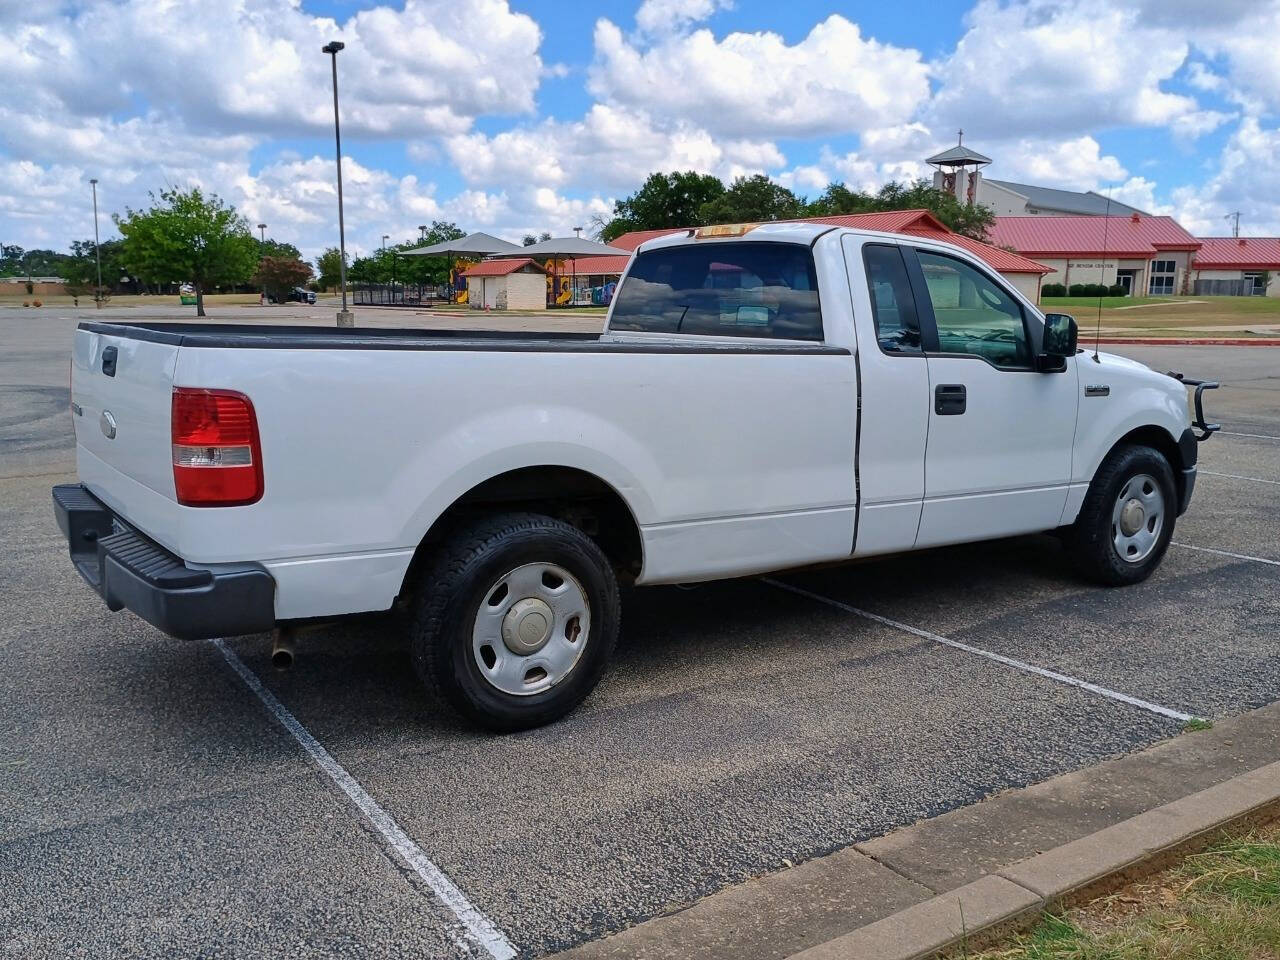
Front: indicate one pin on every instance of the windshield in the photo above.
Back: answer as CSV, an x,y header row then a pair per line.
x,y
724,289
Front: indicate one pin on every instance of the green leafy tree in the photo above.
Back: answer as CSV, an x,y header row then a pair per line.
x,y
329,268
274,248
971,220
528,240
664,200
279,275
428,270
753,199
11,260
186,237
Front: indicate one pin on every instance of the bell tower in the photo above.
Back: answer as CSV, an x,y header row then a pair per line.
x,y
958,170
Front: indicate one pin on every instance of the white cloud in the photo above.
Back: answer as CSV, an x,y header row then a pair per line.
x,y
1051,68
610,147
1075,164
660,17
256,66
756,85
1247,180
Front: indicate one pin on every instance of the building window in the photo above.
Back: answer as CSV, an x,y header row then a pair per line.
x,y
1254,285
1162,275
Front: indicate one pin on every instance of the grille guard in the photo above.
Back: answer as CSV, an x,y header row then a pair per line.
x,y
1207,429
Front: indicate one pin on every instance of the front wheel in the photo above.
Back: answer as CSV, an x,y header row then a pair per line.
x,y
1126,521
515,620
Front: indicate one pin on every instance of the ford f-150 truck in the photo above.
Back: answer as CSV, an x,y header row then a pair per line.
x,y
762,397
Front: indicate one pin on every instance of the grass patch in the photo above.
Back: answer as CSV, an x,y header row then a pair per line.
x,y
1108,303
1168,316
1223,904
1197,725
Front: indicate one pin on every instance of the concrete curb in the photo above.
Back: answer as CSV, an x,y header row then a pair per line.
x,y
1016,895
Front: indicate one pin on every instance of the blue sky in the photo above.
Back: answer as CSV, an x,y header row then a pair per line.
x,y
534,115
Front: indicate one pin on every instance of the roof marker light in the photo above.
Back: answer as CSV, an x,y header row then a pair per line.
x,y
724,230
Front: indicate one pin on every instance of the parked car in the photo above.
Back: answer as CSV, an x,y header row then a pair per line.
x,y
302,295
762,398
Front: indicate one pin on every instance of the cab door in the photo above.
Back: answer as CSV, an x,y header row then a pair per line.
x,y
1001,431
893,396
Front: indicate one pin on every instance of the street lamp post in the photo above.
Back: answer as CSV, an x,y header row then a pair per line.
x,y
97,252
345,317
262,243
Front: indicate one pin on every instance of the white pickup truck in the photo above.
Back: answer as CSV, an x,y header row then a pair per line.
x,y
763,397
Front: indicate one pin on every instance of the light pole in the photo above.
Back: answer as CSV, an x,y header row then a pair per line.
x,y
262,242
345,318
97,252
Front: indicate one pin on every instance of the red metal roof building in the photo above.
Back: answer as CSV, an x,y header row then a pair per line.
x,y
1144,255
1022,271
500,268
1240,266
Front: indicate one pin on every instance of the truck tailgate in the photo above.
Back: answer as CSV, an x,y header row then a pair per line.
x,y
121,396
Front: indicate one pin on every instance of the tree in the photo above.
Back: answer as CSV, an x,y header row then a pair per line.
x,y
971,220
664,200
185,237
274,248
329,268
528,240
755,199
279,275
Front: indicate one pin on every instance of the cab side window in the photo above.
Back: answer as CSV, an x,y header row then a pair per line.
x,y
892,304
974,316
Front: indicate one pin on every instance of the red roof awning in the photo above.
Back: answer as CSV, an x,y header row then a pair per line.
x,y
1238,253
500,268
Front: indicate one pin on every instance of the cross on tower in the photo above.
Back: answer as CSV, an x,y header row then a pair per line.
x,y
960,142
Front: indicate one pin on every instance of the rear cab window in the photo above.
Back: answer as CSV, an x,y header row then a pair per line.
x,y
735,289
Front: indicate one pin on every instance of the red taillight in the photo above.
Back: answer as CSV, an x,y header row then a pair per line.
x,y
217,456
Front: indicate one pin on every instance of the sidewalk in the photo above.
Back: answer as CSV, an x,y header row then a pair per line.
x,y
999,862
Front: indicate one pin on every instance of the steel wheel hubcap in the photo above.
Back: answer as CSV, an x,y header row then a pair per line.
x,y
1138,518
531,629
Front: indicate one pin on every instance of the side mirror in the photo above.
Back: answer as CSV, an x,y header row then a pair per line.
x,y
1060,336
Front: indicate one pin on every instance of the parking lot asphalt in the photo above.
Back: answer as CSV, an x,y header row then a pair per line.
x,y
152,804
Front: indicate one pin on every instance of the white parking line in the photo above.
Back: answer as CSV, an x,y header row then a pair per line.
x,y
479,928
1236,476
1256,436
1226,553
998,658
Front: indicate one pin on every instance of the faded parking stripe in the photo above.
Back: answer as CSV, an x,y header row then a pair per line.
x,y
479,928
997,657
1226,553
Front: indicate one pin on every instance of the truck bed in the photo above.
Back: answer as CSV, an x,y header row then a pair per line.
x,y
297,337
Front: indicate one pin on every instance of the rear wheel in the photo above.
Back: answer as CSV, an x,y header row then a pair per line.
x,y
516,619
1126,521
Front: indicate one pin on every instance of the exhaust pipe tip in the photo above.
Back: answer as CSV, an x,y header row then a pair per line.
x,y
282,652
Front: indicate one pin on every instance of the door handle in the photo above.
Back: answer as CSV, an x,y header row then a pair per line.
x,y
109,361
949,399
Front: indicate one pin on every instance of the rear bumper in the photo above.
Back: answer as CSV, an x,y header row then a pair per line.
x,y
130,571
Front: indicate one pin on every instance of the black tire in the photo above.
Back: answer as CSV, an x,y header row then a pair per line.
x,y
457,581
1090,539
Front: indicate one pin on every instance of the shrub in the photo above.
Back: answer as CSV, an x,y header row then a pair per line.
x,y
1077,290
1116,290
36,303
26,303
1053,290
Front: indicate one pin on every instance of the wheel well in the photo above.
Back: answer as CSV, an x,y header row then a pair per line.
x,y
1157,438
574,496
